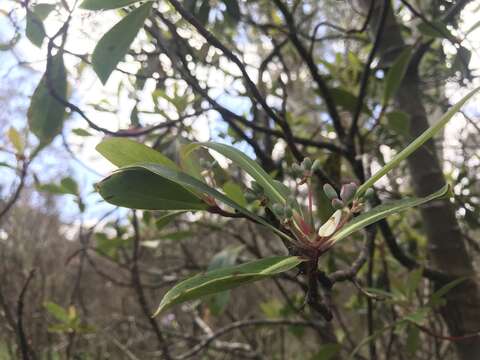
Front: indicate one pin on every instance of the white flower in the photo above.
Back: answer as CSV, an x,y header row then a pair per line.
x,y
331,224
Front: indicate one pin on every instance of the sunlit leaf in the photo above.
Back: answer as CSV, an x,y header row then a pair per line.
x,y
113,46
46,114
16,139
123,152
226,278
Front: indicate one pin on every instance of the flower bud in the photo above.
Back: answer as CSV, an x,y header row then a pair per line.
x,y
250,196
330,191
348,191
369,194
278,210
338,204
296,170
307,163
317,165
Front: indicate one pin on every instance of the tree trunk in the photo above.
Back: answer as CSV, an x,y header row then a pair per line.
x,y
446,245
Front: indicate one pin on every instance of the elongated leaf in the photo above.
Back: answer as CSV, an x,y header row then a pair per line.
x,y
113,46
233,9
138,188
395,75
382,211
414,145
219,280
124,152
106,4
46,114
273,191
16,139
123,194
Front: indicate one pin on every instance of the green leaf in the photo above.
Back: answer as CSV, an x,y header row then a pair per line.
x,y
272,189
123,152
414,145
382,211
106,4
438,295
396,74
218,280
166,219
81,132
233,10
200,187
235,192
435,29
113,46
398,122
46,114
225,258
57,311
16,139
70,185
34,29
203,12
138,188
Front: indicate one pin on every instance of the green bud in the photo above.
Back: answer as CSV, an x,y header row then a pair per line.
x,y
296,170
288,212
317,165
330,191
337,204
278,210
369,194
307,163
348,191
250,196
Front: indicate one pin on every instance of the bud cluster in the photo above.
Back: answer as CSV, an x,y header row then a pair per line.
x,y
347,194
306,168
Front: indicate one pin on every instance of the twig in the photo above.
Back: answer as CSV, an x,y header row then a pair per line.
x,y
27,352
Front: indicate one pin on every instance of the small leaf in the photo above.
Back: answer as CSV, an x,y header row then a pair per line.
x,y
123,152
347,100
69,185
435,29
81,132
382,211
34,29
166,219
414,145
16,139
396,74
113,46
57,311
46,114
438,295
219,280
106,4
327,352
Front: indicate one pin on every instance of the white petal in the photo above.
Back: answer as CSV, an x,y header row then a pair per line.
x,y
330,225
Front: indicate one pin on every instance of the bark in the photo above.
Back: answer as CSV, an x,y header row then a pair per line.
x,y
446,246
